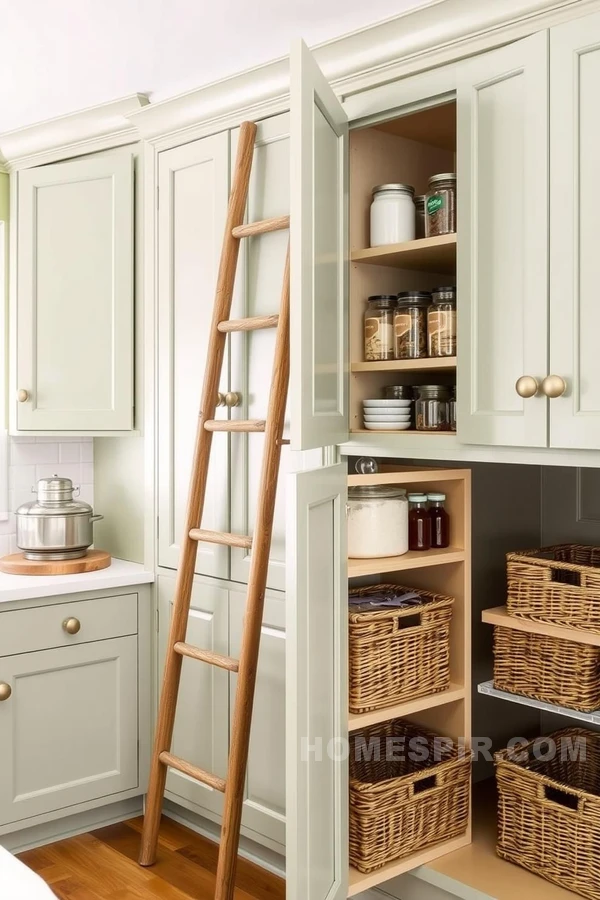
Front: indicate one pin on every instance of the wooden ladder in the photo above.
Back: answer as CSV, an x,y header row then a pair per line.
x,y
260,543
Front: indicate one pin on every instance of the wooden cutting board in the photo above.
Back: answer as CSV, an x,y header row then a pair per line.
x,y
16,564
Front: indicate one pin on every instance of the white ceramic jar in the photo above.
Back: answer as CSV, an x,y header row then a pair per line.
x,y
377,521
392,214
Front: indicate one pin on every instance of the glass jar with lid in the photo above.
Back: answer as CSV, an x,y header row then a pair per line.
x,y
441,322
433,407
410,324
440,205
420,216
379,327
392,214
419,523
377,521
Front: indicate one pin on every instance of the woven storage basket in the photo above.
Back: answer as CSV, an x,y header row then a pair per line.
x,y
398,654
559,585
549,811
405,802
565,673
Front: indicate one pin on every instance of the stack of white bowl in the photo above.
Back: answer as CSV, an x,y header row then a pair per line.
x,y
387,415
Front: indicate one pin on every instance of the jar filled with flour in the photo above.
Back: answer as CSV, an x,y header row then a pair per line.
x,y
377,521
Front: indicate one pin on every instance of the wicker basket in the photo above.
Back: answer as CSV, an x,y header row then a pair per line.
x,y
549,811
413,799
398,654
559,585
565,673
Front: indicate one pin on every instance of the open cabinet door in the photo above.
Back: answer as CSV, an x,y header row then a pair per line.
x,y
318,229
316,686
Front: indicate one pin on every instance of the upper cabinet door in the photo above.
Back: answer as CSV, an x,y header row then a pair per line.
x,y
193,183
74,295
502,163
316,686
318,203
575,233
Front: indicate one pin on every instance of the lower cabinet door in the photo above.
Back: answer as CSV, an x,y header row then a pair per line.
x,y
202,722
69,730
264,801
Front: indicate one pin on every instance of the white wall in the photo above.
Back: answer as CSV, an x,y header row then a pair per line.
x,y
32,458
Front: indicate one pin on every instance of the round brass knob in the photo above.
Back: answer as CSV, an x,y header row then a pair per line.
x,y
22,396
72,626
527,386
232,399
554,386
5,691
220,399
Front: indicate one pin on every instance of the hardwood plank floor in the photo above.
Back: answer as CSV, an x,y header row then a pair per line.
x,y
103,865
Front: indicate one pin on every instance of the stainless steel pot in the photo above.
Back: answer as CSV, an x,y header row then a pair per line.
x,y
55,526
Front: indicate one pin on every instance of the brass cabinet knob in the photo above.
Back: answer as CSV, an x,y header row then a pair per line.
x,y
232,399
554,386
220,399
527,386
5,691
72,626
22,396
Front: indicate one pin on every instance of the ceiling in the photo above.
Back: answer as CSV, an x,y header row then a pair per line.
x,y
65,55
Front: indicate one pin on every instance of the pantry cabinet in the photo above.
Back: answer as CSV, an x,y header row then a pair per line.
x,y
74,289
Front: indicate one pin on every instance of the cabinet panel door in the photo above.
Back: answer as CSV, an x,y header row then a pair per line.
x,y
69,731
319,242
264,802
317,688
502,162
258,292
575,232
194,192
201,733
75,294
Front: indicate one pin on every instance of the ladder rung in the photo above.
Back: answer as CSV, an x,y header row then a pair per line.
x,y
235,425
221,537
261,227
207,656
251,324
175,762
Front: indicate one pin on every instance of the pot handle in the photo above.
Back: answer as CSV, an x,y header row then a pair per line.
x,y
96,518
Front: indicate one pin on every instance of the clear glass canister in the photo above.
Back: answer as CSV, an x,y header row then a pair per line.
x,y
392,214
420,216
440,205
377,521
410,324
452,410
441,323
379,327
433,408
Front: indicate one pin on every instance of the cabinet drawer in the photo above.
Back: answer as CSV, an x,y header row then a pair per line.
x,y
43,627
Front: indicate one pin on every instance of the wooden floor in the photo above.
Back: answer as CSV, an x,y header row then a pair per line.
x,y
102,866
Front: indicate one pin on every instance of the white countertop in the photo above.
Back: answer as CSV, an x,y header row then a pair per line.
x,y
120,573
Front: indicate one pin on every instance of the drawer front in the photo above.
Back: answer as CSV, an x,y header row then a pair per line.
x,y
45,627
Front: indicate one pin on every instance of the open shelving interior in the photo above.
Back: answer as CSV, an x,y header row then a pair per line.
x,y
408,150
446,572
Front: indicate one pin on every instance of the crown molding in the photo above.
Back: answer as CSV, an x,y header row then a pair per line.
x,y
87,131
441,32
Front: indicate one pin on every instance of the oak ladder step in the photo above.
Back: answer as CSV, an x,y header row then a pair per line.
x,y
207,656
221,537
175,762
253,323
279,223
248,425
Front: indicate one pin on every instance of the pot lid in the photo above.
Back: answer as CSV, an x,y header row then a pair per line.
x,y
55,498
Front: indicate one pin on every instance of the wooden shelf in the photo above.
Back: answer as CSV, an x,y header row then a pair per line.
x,y
442,364
434,254
363,720
479,868
406,431
487,689
414,559
359,882
499,616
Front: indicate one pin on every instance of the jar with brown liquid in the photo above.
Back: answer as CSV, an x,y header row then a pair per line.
x,y
419,523
379,327
440,521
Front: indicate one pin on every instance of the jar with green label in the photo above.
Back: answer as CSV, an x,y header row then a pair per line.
x,y
440,205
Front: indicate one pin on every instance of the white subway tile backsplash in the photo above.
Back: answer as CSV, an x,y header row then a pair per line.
x,y
31,458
